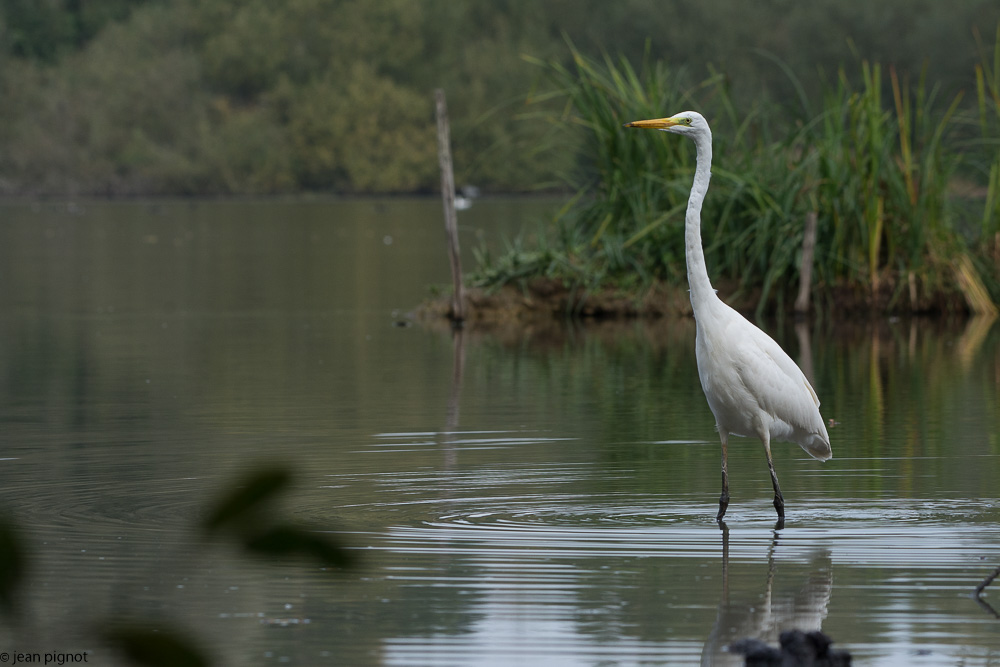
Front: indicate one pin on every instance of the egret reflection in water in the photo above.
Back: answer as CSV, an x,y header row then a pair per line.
x,y
765,613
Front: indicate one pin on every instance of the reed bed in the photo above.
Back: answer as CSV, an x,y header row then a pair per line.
x,y
877,164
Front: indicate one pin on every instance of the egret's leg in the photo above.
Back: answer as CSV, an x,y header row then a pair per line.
x,y
724,498
779,501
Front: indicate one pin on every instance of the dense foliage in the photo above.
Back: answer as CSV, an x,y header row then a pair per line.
x,y
251,96
902,180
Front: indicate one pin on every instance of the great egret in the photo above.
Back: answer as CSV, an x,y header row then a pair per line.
x,y
752,386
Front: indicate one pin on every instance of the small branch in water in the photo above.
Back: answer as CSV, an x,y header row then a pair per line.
x,y
986,607
987,581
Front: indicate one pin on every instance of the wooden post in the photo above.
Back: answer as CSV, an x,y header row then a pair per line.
x,y
805,271
448,196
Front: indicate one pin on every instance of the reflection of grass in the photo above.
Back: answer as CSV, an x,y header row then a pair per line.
x,y
917,399
914,402
878,174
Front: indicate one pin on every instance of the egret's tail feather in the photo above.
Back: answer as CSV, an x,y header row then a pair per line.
x,y
816,447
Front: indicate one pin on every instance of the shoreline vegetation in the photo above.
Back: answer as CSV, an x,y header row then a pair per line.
x,y
899,163
903,183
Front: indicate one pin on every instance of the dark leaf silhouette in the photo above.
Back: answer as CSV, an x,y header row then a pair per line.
x,y
285,540
12,563
153,647
247,497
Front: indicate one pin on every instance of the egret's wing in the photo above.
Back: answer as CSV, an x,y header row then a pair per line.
x,y
779,386
780,379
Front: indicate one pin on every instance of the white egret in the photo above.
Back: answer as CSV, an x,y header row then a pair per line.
x,y
752,386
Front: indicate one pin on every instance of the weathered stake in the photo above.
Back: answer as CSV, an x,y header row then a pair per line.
x,y
805,271
448,196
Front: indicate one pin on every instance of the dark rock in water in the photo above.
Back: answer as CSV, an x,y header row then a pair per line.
x,y
798,649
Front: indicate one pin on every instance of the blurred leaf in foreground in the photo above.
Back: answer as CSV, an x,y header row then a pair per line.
x,y
247,497
244,512
13,563
286,540
152,647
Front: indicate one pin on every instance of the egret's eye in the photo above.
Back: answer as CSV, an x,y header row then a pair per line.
x,y
687,121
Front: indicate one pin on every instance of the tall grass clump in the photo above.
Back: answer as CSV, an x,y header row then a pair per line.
x,y
886,217
874,164
620,221
624,226
988,117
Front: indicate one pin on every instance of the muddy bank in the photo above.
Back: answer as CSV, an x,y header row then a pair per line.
x,y
547,299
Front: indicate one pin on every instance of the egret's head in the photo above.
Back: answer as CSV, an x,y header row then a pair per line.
x,y
686,122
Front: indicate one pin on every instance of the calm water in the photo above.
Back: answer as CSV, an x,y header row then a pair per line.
x,y
546,495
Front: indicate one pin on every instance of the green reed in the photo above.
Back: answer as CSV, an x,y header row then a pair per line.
x,y
885,215
874,164
988,106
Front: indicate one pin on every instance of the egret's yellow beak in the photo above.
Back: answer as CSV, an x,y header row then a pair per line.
x,y
654,124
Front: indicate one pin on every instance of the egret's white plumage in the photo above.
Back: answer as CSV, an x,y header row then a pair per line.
x,y
752,386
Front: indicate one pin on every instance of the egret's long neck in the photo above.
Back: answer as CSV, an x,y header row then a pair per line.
x,y
698,282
